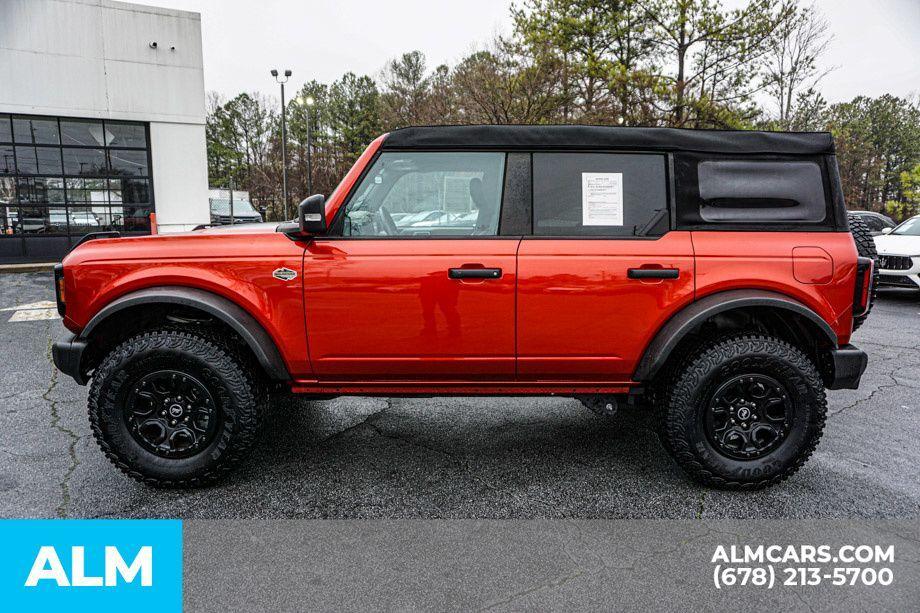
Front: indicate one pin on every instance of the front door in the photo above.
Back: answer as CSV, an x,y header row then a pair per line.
x,y
602,272
414,282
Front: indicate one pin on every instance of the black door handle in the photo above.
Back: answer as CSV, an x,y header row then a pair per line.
x,y
474,273
652,273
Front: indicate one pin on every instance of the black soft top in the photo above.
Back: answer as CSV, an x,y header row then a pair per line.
x,y
605,137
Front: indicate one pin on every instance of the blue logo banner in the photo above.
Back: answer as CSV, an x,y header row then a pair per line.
x,y
91,565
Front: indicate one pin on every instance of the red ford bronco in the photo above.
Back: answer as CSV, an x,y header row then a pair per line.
x,y
713,273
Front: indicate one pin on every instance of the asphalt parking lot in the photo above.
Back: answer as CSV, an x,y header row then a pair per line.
x,y
455,458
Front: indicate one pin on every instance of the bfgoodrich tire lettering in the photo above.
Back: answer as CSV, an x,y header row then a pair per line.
x,y
687,399
230,383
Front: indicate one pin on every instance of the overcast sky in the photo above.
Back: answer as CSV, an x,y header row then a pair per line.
x,y
876,46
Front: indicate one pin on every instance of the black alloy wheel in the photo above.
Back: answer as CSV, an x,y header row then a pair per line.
x,y
171,414
748,416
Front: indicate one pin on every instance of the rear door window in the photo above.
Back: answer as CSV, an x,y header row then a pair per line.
x,y
599,194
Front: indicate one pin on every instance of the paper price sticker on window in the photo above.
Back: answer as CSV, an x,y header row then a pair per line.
x,y
602,198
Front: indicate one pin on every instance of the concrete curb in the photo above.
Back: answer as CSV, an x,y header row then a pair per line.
x,y
36,267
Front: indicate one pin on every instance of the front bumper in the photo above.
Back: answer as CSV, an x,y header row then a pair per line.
x,y
899,271
67,354
848,363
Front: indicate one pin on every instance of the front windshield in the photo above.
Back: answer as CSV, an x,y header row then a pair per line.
x,y
911,227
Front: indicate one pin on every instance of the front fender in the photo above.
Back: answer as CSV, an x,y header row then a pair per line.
x,y
244,324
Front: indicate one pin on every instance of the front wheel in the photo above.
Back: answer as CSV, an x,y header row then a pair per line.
x,y
744,412
173,408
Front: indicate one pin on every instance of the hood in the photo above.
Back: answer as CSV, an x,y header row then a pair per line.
x,y
239,240
240,228
894,244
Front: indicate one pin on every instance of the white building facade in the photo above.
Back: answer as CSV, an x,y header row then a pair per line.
x,y
102,122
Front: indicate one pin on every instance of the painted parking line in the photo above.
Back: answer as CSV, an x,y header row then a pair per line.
x,y
34,311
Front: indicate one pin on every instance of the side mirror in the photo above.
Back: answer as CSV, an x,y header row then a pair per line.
x,y
311,219
886,230
312,215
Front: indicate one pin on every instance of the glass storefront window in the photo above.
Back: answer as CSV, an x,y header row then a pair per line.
x,y
7,160
126,135
136,190
38,160
83,133
85,162
36,131
70,176
6,129
128,162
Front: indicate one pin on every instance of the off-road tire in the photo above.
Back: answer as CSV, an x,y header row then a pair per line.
x,y
238,393
686,398
865,246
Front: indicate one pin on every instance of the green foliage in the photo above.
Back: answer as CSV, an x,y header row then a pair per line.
x,y
910,188
686,63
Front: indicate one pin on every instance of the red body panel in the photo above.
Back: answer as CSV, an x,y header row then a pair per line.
x,y
386,309
101,271
580,317
764,260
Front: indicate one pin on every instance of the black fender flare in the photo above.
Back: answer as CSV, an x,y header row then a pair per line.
x,y
692,317
227,311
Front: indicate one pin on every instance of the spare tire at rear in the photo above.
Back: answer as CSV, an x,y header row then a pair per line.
x,y
865,246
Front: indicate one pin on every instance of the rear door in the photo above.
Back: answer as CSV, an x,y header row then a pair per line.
x,y
602,271
414,281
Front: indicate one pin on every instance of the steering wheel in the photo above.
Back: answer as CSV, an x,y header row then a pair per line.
x,y
386,220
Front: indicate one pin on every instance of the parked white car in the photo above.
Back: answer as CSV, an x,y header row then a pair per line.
x,y
899,254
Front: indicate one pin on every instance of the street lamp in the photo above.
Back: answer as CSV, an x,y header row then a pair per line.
x,y
308,102
284,186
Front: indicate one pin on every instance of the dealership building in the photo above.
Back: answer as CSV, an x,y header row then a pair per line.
x,y
102,123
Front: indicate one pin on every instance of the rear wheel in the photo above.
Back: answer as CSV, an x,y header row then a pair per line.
x,y
744,412
173,408
865,246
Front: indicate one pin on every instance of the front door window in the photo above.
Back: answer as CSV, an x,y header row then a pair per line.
x,y
427,194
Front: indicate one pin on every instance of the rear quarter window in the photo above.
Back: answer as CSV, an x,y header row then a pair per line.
x,y
599,194
723,191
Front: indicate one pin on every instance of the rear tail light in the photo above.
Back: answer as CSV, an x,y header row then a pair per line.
x,y
865,269
59,288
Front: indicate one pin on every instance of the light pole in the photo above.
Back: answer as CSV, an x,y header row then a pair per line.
x,y
284,186
308,102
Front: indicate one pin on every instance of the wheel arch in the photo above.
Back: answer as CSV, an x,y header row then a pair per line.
x,y
686,323
223,310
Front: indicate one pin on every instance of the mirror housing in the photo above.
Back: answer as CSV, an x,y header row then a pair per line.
x,y
887,230
311,218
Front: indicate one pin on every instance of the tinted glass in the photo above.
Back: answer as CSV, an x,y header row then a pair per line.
x,y
54,179
135,190
42,220
35,130
84,162
136,218
83,133
128,162
38,160
599,194
428,194
6,129
7,160
126,135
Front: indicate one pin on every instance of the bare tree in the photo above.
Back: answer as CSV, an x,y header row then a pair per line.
x,y
791,66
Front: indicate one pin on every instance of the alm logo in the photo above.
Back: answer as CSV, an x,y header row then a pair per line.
x,y
48,567
91,565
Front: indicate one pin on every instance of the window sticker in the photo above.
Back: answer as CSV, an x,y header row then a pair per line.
x,y
602,198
